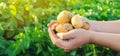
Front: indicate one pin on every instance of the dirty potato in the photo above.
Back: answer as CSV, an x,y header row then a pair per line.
x,y
63,27
76,21
64,17
86,25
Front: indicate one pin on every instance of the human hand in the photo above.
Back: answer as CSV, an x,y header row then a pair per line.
x,y
69,40
54,38
52,23
76,37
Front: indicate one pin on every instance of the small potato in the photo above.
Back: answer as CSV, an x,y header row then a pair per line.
x,y
64,17
63,27
76,21
86,25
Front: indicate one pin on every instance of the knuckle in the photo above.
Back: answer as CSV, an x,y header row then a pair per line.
x,y
63,36
55,42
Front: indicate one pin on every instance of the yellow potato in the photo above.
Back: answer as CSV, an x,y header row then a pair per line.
x,y
64,17
86,25
63,27
76,21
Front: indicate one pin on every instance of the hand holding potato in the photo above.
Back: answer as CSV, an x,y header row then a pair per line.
x,y
75,38
67,26
80,35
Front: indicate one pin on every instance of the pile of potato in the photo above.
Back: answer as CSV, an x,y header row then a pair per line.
x,y
68,21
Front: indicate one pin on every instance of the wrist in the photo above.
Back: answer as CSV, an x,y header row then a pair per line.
x,y
91,36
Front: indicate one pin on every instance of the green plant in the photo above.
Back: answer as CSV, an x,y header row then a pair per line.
x,y
23,26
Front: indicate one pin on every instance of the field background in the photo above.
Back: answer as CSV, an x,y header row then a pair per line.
x,y
23,26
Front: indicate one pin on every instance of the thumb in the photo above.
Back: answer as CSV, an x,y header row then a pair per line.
x,y
65,36
51,23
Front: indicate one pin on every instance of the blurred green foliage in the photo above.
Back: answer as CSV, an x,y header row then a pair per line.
x,y
23,25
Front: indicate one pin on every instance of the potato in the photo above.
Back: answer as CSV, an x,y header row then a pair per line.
x,y
86,25
63,27
64,17
66,22
76,21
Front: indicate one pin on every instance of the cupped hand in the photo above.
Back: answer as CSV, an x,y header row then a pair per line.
x,y
76,37
69,40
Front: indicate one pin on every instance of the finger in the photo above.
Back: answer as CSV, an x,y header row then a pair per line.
x,y
68,35
63,44
55,40
52,35
68,45
52,22
74,44
48,25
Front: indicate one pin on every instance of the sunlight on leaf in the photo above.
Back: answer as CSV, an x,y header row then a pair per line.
x,y
2,4
26,22
21,34
35,18
27,8
36,29
13,9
